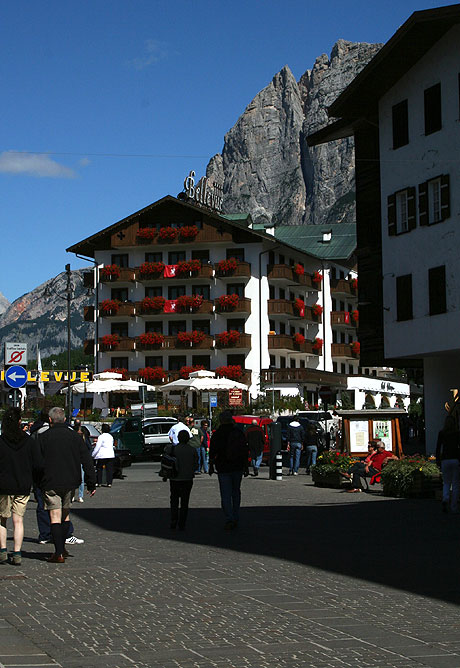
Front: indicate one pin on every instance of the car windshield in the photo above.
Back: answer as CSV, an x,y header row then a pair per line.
x,y
116,426
93,431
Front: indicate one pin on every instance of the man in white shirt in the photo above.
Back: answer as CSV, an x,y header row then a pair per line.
x,y
175,429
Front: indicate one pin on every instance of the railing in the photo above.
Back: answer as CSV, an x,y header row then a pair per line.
x,y
283,272
343,319
280,342
128,237
205,271
243,342
342,286
88,347
124,310
126,275
171,342
311,316
124,344
306,375
280,307
342,350
207,306
243,270
243,306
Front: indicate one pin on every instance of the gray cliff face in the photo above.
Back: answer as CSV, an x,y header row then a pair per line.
x,y
38,319
266,167
4,303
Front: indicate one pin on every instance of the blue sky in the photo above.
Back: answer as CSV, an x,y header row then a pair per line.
x,y
107,105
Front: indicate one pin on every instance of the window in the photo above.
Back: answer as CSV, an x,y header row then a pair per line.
x,y
175,291
281,259
154,257
437,290
291,296
271,292
282,293
237,324
203,360
177,326
154,291
174,257
282,362
282,328
432,107
202,326
236,289
239,360
202,255
271,325
271,258
404,297
334,336
176,362
272,360
154,327
400,124
334,304
237,253
120,328
302,364
434,200
119,363
202,290
292,330
343,368
120,259
401,211
292,363
120,294
156,360
334,367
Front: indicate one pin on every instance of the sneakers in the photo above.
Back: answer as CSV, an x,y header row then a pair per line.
x,y
80,500
44,542
230,525
15,558
295,473
3,557
73,540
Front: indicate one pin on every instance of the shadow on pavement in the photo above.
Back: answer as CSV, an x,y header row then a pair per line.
x,y
405,544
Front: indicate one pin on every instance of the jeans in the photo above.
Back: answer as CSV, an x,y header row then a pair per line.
x,y
312,452
180,491
230,494
202,459
108,470
43,519
294,462
81,489
358,471
450,477
256,461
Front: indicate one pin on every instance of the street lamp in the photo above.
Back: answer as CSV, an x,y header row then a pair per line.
x,y
96,308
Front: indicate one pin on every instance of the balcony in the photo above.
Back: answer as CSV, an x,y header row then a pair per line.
x,y
343,351
172,343
343,320
307,375
206,308
126,275
206,272
124,344
342,287
243,343
242,270
88,313
310,315
243,306
129,237
286,343
282,273
124,310
88,347
281,307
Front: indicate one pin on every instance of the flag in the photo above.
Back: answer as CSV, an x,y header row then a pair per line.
x,y
41,385
170,270
347,317
170,306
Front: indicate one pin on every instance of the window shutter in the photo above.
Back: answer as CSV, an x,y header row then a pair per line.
x,y
391,208
445,197
423,203
411,209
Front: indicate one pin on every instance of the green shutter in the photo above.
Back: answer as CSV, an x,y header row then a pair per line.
x,y
391,208
445,197
423,203
411,209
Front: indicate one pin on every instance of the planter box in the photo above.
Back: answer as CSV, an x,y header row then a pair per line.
x,y
334,480
423,487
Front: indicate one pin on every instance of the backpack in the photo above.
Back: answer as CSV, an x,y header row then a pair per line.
x,y
168,465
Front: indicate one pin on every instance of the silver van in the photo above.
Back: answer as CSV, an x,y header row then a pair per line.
x,y
155,430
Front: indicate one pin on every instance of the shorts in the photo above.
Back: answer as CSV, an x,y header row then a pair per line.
x,y
57,499
15,503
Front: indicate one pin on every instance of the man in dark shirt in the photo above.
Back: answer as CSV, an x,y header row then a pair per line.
x,y
255,437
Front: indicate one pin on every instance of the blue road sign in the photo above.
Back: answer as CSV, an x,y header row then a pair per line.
x,y
16,376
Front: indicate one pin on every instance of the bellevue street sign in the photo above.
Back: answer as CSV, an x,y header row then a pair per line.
x,y
16,377
15,353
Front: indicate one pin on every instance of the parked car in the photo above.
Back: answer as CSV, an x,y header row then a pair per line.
x,y
245,421
155,432
94,432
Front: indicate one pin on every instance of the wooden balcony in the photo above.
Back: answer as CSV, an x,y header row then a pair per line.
x,y
205,272
310,315
207,307
316,376
244,343
280,342
88,347
283,273
342,287
243,270
124,344
244,306
128,236
342,351
88,313
171,342
281,307
126,276
125,310
343,320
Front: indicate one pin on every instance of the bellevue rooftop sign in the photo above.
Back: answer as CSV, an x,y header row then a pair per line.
x,y
210,195
54,376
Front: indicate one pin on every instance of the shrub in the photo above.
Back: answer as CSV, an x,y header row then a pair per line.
x,y
146,233
230,338
330,462
152,374
152,304
151,269
232,371
227,302
167,234
110,306
399,476
110,271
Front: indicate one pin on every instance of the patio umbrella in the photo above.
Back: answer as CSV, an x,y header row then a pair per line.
x,y
203,381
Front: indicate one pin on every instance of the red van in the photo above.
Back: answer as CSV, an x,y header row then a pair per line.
x,y
246,420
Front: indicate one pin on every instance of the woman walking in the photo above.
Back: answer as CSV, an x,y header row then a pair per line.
x,y
104,455
181,486
18,464
448,459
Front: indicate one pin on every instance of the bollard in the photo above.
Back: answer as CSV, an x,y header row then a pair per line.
x,y
279,466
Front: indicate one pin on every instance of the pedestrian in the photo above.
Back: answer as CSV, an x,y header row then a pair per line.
x,y
228,454
196,439
104,455
62,452
181,485
81,490
310,446
43,518
295,438
448,460
19,464
176,428
204,452
255,437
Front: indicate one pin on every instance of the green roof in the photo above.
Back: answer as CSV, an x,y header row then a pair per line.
x,y
309,238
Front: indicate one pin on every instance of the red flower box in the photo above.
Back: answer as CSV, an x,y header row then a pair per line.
x,y
110,306
299,307
188,232
193,338
151,339
185,371
152,374
232,371
227,302
188,267
110,272
230,338
147,233
227,266
299,269
149,304
354,283
151,269
188,303
124,372
167,234
317,345
110,340
355,315
317,277
317,309
356,347
299,339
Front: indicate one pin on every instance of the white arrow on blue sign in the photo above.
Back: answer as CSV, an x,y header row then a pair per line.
x,y
16,376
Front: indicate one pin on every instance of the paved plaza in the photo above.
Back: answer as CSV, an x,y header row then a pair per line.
x,y
311,577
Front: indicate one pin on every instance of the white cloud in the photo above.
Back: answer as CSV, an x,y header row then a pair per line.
x,y
84,162
154,51
12,162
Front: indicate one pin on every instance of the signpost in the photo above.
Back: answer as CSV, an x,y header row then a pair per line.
x,y
235,397
15,377
15,353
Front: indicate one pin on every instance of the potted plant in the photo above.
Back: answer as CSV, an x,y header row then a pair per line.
x,y
326,472
230,338
152,374
299,339
299,307
152,304
227,302
354,283
146,233
226,266
151,269
110,341
317,345
110,272
317,310
413,476
167,234
185,371
153,339
188,232
299,269
317,278
231,371
355,315
355,348
124,372
188,267
110,306
195,337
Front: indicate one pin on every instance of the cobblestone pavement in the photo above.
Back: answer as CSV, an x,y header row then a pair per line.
x,y
311,577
